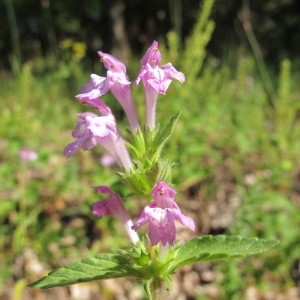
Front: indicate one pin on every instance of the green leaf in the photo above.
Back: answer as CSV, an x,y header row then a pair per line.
x,y
209,248
164,135
102,266
137,145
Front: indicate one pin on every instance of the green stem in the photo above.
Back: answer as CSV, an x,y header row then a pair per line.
x,y
257,53
14,34
50,29
156,289
176,18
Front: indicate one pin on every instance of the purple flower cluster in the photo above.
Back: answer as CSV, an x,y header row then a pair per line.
x,y
101,129
159,215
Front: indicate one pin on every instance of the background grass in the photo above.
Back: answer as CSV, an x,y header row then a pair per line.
x,y
237,156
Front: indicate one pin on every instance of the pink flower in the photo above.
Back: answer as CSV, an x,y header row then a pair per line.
x,y
160,215
156,80
26,154
113,206
92,129
117,82
120,86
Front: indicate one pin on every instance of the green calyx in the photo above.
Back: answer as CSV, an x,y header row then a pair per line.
x,y
145,147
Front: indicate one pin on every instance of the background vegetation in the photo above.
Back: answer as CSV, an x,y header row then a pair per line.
x,y
236,144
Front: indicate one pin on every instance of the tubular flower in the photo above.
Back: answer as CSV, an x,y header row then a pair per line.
x,y
160,215
92,129
120,87
156,80
113,206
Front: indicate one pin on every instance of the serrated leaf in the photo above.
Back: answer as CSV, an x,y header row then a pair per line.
x,y
102,266
209,248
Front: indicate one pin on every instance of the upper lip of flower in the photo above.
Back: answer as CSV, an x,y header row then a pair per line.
x,y
152,56
112,63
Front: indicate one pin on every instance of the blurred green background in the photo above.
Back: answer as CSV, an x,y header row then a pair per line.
x,y
236,144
